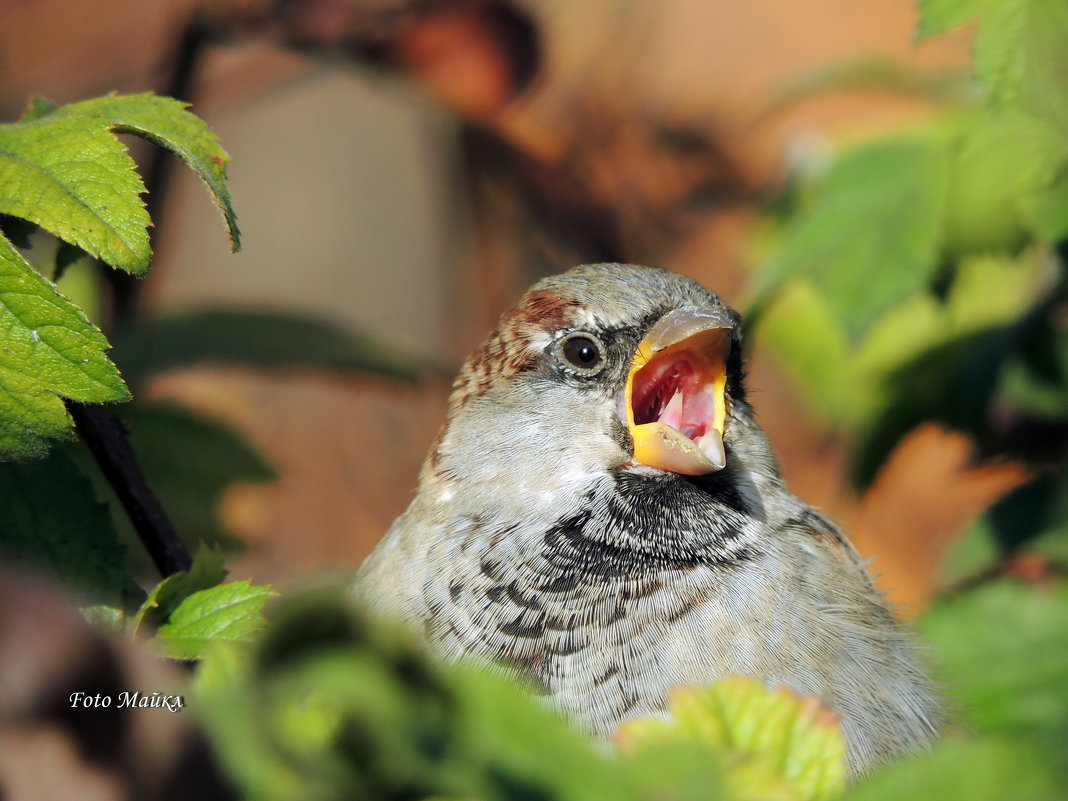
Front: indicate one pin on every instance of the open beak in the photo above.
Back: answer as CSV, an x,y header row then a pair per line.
x,y
675,403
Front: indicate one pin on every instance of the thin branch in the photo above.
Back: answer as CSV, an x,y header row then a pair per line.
x,y
109,443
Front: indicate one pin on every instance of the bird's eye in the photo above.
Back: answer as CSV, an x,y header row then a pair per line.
x,y
582,351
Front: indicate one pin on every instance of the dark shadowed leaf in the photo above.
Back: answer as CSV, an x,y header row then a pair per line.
x,y
51,520
17,230
190,460
257,339
952,384
332,707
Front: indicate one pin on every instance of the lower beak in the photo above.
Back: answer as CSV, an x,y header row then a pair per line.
x,y
675,400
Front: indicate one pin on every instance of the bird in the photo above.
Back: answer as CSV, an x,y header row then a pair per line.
x,y
602,516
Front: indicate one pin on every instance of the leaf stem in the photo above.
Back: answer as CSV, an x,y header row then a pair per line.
x,y
109,443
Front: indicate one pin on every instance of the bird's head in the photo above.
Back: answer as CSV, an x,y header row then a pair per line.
x,y
605,368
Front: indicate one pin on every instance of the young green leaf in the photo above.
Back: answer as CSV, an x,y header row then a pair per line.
x,y
207,571
53,522
779,742
49,351
229,612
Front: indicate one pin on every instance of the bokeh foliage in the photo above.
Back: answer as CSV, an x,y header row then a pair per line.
x,y
926,271
921,276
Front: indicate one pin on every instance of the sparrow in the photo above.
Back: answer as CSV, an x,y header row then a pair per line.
x,y
602,515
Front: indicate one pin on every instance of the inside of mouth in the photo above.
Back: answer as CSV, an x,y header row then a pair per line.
x,y
676,388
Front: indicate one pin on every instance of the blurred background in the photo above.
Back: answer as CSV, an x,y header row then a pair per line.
x,y
403,170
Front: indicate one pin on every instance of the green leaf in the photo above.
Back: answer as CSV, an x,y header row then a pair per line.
x,y
333,706
998,162
869,237
226,613
789,746
257,339
48,350
65,170
988,770
951,383
1021,58
812,349
165,122
1046,211
190,460
207,571
1003,648
939,16
71,176
51,520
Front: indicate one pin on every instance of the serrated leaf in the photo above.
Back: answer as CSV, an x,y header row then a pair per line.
x,y
1021,58
869,237
64,169
226,613
71,176
207,571
50,520
782,743
257,339
48,350
190,460
939,16
167,123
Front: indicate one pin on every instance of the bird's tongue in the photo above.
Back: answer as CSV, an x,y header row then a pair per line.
x,y
675,401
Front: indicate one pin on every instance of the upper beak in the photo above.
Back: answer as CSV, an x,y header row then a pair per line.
x,y
675,401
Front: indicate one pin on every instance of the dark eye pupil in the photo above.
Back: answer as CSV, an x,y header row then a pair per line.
x,y
582,352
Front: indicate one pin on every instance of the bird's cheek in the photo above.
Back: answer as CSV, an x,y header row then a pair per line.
x,y
621,435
